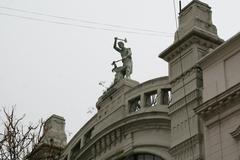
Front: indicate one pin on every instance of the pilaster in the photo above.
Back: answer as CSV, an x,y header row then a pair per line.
x,y
195,37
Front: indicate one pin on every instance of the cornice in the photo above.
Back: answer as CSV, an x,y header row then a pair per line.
x,y
218,101
136,118
159,114
157,81
190,71
189,143
163,79
120,154
82,129
195,1
194,95
220,50
196,35
150,145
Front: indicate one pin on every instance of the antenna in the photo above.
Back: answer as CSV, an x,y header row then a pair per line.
x,y
180,6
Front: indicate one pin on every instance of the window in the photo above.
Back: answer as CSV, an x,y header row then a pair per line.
x,y
151,99
142,157
165,96
135,105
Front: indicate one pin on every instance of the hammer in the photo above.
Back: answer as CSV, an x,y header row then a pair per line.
x,y
125,40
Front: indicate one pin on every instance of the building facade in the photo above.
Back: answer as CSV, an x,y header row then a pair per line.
x,y
192,114
220,110
130,119
195,37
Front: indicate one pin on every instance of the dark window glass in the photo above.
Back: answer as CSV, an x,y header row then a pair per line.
x,y
75,149
142,157
88,136
166,96
135,105
148,157
151,99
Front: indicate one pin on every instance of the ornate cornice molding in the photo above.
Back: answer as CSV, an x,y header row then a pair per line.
x,y
216,54
185,45
195,36
120,154
156,118
195,1
189,143
218,101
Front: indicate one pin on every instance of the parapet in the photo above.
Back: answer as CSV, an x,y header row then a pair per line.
x,y
115,90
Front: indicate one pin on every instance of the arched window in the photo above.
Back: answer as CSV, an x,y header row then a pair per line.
x,y
142,157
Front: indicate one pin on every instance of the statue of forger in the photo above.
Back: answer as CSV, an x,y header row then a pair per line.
x,y
126,70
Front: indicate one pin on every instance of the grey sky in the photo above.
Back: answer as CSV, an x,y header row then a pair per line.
x,y
48,68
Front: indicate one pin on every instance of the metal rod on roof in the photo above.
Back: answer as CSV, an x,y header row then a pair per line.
x,y
180,6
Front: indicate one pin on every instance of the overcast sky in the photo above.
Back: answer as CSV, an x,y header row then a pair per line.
x,y
52,65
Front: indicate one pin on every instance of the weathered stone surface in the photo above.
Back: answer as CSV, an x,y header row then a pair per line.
x,y
117,132
54,131
194,38
220,111
53,140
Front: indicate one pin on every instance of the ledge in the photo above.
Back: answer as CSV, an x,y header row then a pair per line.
x,y
153,117
193,96
116,87
219,100
194,32
217,52
190,142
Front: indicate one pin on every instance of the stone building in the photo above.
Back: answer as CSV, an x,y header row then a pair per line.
x,y
194,39
192,114
130,119
220,110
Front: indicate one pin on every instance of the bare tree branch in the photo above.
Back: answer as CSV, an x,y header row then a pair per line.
x,y
15,139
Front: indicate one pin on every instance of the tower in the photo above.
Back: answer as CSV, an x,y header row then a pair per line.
x,y
54,131
53,140
196,36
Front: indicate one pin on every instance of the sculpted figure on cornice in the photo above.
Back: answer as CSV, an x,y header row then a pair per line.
x,y
125,70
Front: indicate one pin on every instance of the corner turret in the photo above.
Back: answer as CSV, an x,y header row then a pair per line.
x,y
53,140
54,131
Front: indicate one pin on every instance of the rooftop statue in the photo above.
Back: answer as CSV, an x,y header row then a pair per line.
x,y
125,70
